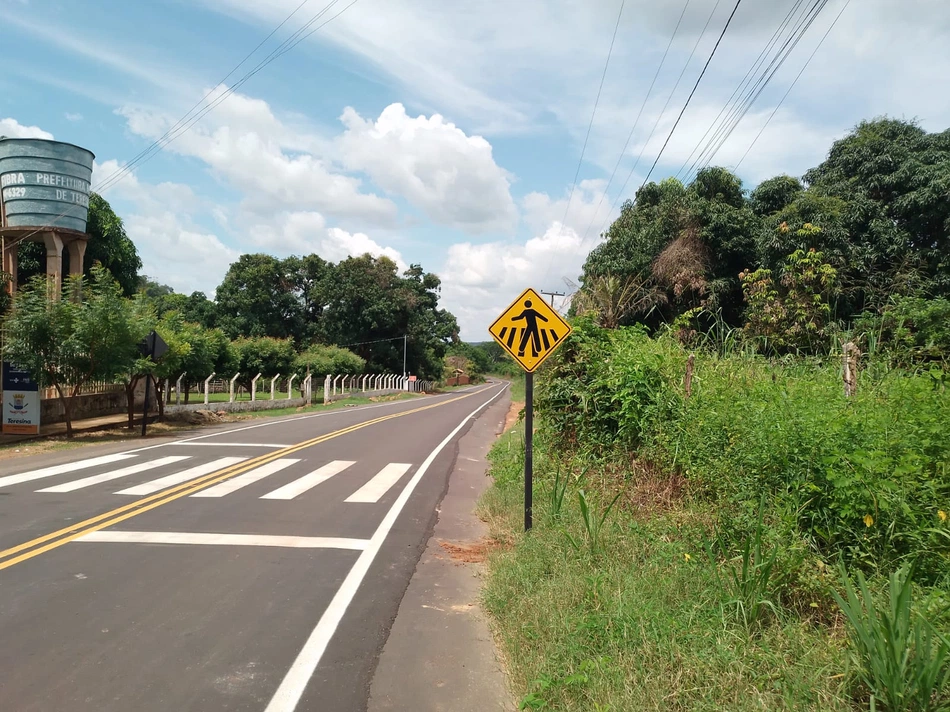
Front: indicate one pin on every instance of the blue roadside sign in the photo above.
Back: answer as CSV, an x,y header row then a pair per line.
x,y
21,401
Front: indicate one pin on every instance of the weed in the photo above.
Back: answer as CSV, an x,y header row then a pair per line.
x,y
593,525
749,587
900,658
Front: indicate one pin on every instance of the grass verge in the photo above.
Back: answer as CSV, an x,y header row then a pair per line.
x,y
633,616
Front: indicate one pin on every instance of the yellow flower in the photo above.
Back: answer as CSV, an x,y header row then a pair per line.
x,y
868,520
942,515
687,557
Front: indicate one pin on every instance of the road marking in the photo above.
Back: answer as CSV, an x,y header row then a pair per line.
x,y
248,478
190,444
61,469
293,542
373,490
307,482
53,540
284,420
292,687
183,476
124,472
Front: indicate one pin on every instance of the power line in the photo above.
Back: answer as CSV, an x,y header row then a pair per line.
x,y
690,97
745,80
658,118
738,113
143,158
635,124
208,94
288,44
580,161
794,82
374,341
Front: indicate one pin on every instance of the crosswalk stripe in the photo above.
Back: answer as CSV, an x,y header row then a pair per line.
x,y
248,478
301,485
61,469
116,474
184,476
373,490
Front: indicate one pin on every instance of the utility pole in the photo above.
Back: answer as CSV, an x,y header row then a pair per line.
x,y
554,294
404,337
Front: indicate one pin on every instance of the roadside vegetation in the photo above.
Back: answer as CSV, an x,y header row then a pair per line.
x,y
742,466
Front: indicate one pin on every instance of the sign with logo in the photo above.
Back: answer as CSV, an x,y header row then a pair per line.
x,y
21,402
530,330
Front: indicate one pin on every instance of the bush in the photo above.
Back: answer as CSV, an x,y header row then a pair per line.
x,y
329,360
866,478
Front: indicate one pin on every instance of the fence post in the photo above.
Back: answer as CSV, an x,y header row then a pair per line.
x,y
272,382
254,387
307,388
326,390
290,387
850,355
335,379
231,392
688,382
178,388
207,381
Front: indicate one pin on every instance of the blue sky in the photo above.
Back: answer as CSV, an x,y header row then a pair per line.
x,y
441,133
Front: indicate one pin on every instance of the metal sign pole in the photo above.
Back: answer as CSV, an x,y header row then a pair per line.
x,y
528,449
148,382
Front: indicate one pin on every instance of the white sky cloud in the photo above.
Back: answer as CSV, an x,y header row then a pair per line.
x,y
478,281
432,164
11,128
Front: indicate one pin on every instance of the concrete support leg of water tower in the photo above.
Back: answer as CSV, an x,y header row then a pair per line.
x,y
77,255
54,262
10,263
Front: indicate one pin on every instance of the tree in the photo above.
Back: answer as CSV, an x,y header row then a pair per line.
x,y
131,365
791,314
84,335
688,242
893,178
109,245
265,355
371,307
257,298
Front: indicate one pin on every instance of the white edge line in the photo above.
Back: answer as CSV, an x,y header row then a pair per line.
x,y
210,539
292,687
282,421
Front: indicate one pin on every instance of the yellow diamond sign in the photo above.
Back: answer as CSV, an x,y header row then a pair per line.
x,y
530,330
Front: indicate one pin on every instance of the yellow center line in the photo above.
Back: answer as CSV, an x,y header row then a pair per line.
x,y
114,516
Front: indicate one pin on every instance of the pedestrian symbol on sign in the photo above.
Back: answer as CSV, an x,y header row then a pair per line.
x,y
529,330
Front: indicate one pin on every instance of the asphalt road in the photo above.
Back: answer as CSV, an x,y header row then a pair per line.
x,y
253,568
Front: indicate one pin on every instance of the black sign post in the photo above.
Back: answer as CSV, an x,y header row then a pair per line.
x,y
153,348
528,448
530,331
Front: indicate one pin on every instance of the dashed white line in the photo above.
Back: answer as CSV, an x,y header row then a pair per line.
x,y
248,478
307,482
374,490
179,477
116,474
62,469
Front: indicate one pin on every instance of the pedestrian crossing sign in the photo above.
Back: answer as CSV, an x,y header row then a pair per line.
x,y
530,330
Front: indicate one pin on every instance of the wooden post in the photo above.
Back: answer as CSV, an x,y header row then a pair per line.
x,y
850,355
689,374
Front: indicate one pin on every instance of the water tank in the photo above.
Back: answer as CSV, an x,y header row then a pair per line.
x,y
44,183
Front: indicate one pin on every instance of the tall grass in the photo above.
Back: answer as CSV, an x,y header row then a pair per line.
x,y
865,477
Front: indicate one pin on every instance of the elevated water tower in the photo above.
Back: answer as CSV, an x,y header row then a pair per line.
x,y
44,197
